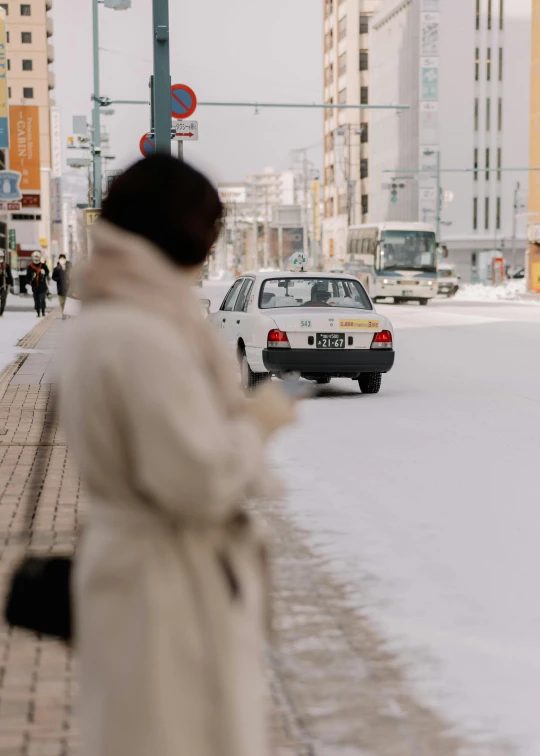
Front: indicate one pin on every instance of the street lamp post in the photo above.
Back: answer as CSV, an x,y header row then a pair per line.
x,y
162,76
96,114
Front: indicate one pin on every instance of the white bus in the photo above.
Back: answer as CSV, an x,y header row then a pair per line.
x,y
397,260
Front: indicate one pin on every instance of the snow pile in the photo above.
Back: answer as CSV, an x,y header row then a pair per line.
x,y
508,291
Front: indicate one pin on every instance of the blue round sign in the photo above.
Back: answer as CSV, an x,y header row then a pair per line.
x,y
183,101
147,145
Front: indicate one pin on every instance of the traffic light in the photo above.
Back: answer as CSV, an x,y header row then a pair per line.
x,y
394,193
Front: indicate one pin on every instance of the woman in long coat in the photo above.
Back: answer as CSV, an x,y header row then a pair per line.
x,y
170,589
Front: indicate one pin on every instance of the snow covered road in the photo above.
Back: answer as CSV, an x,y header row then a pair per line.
x,y
425,498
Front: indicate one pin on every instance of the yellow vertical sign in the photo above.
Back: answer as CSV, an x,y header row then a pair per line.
x,y
24,154
4,107
535,276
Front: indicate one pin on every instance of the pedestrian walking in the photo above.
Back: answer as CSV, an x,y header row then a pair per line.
x,y
61,276
6,282
171,584
37,275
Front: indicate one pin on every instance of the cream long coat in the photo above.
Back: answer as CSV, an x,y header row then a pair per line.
x,y
170,586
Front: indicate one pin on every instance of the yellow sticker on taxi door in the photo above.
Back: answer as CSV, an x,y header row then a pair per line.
x,y
359,325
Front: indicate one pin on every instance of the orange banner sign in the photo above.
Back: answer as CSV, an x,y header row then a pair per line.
x,y
24,153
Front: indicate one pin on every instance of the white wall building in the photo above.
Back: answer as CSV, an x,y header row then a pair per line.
x,y
463,67
346,135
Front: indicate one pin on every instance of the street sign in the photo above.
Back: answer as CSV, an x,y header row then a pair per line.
x,y
183,101
10,190
147,145
91,215
187,131
79,162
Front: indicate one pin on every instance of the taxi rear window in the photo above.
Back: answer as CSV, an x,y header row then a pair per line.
x,y
313,292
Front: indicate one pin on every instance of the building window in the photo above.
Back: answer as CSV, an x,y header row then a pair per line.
x,y
28,65
364,137
477,65
363,168
488,114
342,28
343,204
488,64
486,215
26,38
329,41
364,96
329,175
499,163
487,163
476,163
342,97
489,14
501,14
476,113
365,204
475,214
9,92
364,61
9,65
499,115
329,7
5,6
498,213
329,208
500,64
26,10
477,15
329,112
343,64
7,36
329,142
329,75
364,24
28,93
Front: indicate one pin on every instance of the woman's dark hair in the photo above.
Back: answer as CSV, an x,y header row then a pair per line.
x,y
170,204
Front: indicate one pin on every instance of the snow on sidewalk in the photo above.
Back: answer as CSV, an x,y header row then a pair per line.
x,y
509,291
19,318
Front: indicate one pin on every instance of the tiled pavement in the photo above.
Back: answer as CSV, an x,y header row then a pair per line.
x,y
336,690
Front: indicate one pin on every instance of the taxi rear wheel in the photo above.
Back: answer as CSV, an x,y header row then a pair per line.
x,y
250,379
370,383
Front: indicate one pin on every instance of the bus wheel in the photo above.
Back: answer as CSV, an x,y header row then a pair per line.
x,y
424,302
398,300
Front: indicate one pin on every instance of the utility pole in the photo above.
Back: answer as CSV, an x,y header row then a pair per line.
x,y
439,196
162,76
96,114
514,225
307,240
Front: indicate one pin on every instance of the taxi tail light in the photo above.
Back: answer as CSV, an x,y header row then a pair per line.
x,y
279,339
382,340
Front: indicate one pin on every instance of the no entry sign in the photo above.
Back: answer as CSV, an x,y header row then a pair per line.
x,y
183,101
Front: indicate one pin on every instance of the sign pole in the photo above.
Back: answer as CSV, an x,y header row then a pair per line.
x,y
162,76
180,150
96,115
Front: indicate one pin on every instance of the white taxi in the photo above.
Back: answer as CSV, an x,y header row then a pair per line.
x,y
317,325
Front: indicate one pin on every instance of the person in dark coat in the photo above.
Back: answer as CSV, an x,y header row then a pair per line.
x,y
60,276
6,282
37,275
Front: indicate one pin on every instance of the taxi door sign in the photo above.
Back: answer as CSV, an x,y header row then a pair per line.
x,y
359,325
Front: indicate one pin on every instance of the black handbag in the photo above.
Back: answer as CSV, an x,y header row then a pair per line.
x,y
39,595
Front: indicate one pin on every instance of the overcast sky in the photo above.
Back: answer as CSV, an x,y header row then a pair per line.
x,y
225,50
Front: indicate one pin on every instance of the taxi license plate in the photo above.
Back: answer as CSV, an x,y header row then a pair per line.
x,y
330,341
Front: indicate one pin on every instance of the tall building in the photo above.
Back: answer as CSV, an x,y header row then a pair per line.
x,y
533,268
30,53
346,133
463,68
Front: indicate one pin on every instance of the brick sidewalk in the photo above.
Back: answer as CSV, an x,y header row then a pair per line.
x,y
336,690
